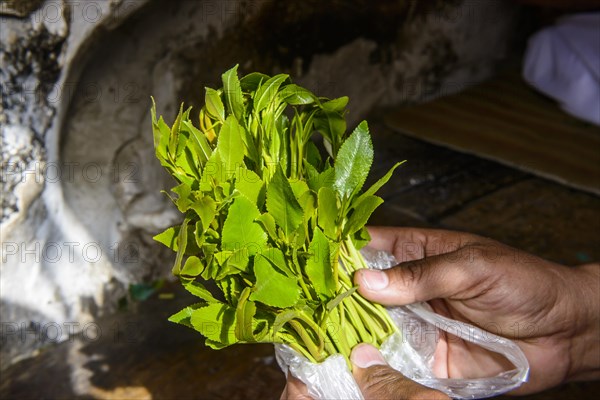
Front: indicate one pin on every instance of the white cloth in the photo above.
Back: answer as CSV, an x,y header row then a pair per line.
x,y
563,62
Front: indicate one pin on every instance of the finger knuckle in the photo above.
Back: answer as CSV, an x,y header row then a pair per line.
x,y
411,274
379,382
382,382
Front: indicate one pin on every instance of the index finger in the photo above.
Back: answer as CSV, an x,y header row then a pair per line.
x,y
409,244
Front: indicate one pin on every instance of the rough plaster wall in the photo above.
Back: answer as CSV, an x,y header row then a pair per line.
x,y
46,277
75,103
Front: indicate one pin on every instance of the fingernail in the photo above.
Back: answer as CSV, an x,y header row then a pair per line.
x,y
374,279
365,356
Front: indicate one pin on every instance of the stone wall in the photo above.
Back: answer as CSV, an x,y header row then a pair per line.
x,y
80,186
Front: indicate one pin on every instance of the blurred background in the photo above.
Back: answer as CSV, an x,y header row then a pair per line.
x,y
448,85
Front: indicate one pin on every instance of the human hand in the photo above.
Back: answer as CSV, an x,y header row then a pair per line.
x,y
552,312
375,379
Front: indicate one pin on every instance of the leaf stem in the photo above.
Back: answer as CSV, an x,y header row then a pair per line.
x,y
307,340
300,275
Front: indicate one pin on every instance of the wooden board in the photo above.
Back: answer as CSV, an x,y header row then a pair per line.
x,y
507,121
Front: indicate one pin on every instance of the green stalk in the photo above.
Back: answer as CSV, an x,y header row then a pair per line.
x,y
300,275
373,317
336,273
338,333
355,319
323,345
307,340
293,341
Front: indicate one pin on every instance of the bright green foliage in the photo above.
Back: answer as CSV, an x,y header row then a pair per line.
x,y
214,322
271,221
240,230
318,266
353,162
272,287
283,205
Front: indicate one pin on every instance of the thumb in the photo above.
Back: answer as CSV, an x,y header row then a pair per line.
x,y
294,389
430,278
377,380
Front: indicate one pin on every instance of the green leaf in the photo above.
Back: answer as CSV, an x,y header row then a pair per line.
x,y
231,288
213,173
333,127
317,180
353,162
212,269
201,141
198,290
262,326
377,185
244,329
174,137
183,201
336,105
230,146
282,204
268,223
168,237
251,150
192,163
184,316
299,187
232,262
181,244
215,322
248,183
268,91
296,95
209,249
318,266
253,80
278,259
338,299
313,156
199,234
161,133
327,212
194,153
272,287
214,105
361,238
233,93
308,203
361,214
206,210
192,267
240,229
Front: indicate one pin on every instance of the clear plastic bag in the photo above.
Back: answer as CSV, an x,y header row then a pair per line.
x,y
411,353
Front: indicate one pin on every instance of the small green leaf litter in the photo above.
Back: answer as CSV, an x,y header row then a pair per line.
x,y
270,223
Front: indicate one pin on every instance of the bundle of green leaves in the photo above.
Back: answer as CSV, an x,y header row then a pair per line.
x,y
270,226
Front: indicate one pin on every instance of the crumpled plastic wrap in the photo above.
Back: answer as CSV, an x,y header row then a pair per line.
x,y
410,352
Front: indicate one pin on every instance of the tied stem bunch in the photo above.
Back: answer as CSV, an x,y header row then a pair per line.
x,y
269,225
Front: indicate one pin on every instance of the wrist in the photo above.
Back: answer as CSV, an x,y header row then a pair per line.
x,y
585,343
